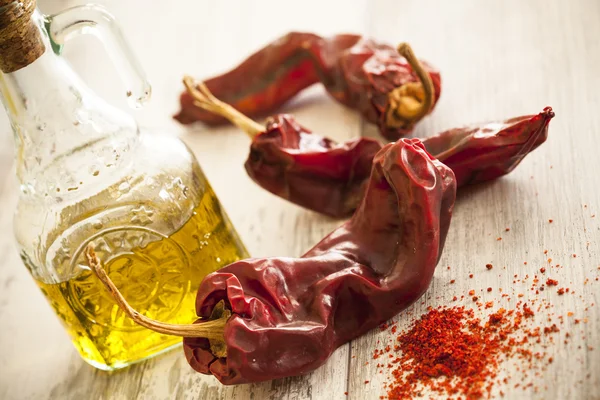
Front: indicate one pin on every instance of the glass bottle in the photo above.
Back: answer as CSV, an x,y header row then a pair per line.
x,y
89,175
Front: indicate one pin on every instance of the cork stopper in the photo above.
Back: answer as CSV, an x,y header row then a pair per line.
x,y
20,39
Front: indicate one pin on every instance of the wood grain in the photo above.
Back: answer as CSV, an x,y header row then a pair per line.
x,y
498,59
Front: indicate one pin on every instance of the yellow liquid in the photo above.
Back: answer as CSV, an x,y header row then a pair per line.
x,y
159,280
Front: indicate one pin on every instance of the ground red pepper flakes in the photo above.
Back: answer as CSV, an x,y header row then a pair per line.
x,y
551,282
561,291
471,292
489,266
574,255
489,289
454,354
452,281
527,311
551,220
507,229
471,276
542,270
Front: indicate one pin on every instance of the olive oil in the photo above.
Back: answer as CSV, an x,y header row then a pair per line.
x,y
159,279
90,175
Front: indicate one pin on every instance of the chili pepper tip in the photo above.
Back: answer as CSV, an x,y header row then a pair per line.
x,y
549,112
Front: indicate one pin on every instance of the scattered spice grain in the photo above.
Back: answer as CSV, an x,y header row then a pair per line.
x,y
454,354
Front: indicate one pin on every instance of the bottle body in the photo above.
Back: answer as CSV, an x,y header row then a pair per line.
x,y
88,176
158,228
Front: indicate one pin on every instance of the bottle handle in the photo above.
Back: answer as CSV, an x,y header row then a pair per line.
x,y
96,20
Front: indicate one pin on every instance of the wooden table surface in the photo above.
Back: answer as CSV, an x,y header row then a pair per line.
x,y
499,59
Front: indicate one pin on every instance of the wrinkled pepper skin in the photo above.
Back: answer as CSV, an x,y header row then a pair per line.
x,y
309,170
367,73
356,71
270,77
328,177
289,315
484,152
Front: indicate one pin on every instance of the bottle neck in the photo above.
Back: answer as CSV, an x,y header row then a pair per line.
x,y
59,124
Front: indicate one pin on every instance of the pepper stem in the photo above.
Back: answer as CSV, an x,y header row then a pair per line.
x,y
204,99
411,101
212,330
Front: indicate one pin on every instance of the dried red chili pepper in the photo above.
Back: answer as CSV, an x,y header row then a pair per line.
x,y
387,86
317,173
288,315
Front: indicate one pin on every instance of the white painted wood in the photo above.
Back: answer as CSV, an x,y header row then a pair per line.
x,y
498,59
